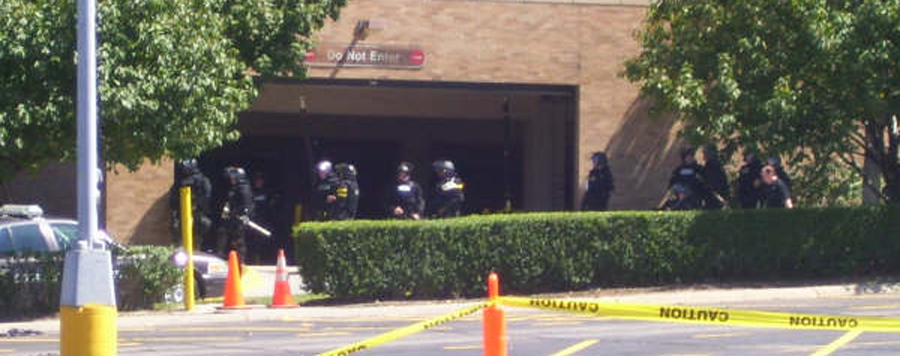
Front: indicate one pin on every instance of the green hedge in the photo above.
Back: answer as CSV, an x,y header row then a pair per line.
x,y
145,275
30,284
544,252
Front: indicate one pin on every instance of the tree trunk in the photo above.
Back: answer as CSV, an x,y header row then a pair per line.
x,y
874,163
892,161
871,181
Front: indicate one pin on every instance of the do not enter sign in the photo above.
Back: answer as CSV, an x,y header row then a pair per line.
x,y
366,55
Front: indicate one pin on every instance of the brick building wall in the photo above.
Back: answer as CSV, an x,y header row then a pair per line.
x,y
581,43
52,187
138,203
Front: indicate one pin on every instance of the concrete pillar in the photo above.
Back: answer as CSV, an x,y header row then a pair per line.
x,y
545,157
558,152
536,163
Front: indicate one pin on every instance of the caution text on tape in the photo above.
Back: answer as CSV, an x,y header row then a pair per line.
x,y
404,331
704,315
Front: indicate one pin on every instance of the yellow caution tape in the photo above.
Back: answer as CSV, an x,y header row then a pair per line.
x,y
704,315
404,331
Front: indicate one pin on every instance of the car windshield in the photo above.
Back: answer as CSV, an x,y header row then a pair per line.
x,y
28,237
65,234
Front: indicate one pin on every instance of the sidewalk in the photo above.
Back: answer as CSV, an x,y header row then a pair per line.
x,y
207,313
260,281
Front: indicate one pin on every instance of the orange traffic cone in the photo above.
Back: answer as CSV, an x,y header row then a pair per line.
x,y
495,339
282,298
234,289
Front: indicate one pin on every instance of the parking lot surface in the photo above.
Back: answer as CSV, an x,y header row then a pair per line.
x,y
312,330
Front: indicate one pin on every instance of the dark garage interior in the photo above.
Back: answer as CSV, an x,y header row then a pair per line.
x,y
525,155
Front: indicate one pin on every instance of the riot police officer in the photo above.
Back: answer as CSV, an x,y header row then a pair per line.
x,y
600,184
688,175
775,162
448,195
325,195
405,199
716,190
775,192
347,192
680,199
237,210
189,175
260,246
750,182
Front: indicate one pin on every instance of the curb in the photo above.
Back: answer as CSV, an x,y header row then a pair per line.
x,y
206,313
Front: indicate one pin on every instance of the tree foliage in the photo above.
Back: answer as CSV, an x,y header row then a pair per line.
x,y
173,74
815,81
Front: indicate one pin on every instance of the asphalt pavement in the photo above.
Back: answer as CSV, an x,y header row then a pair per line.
x,y
310,330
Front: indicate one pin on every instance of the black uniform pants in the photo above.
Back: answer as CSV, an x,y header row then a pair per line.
x,y
236,234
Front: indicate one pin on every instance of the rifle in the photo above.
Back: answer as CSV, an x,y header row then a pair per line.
x,y
248,223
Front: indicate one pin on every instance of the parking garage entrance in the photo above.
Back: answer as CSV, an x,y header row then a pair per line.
x,y
513,145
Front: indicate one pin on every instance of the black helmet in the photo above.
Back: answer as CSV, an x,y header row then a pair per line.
x,y
345,170
444,165
711,151
774,161
236,173
405,167
599,157
189,165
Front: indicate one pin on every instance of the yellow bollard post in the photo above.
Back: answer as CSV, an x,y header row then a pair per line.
x,y
88,330
187,232
87,310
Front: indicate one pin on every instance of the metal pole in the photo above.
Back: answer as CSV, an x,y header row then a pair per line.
x,y
310,157
507,156
87,122
87,304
